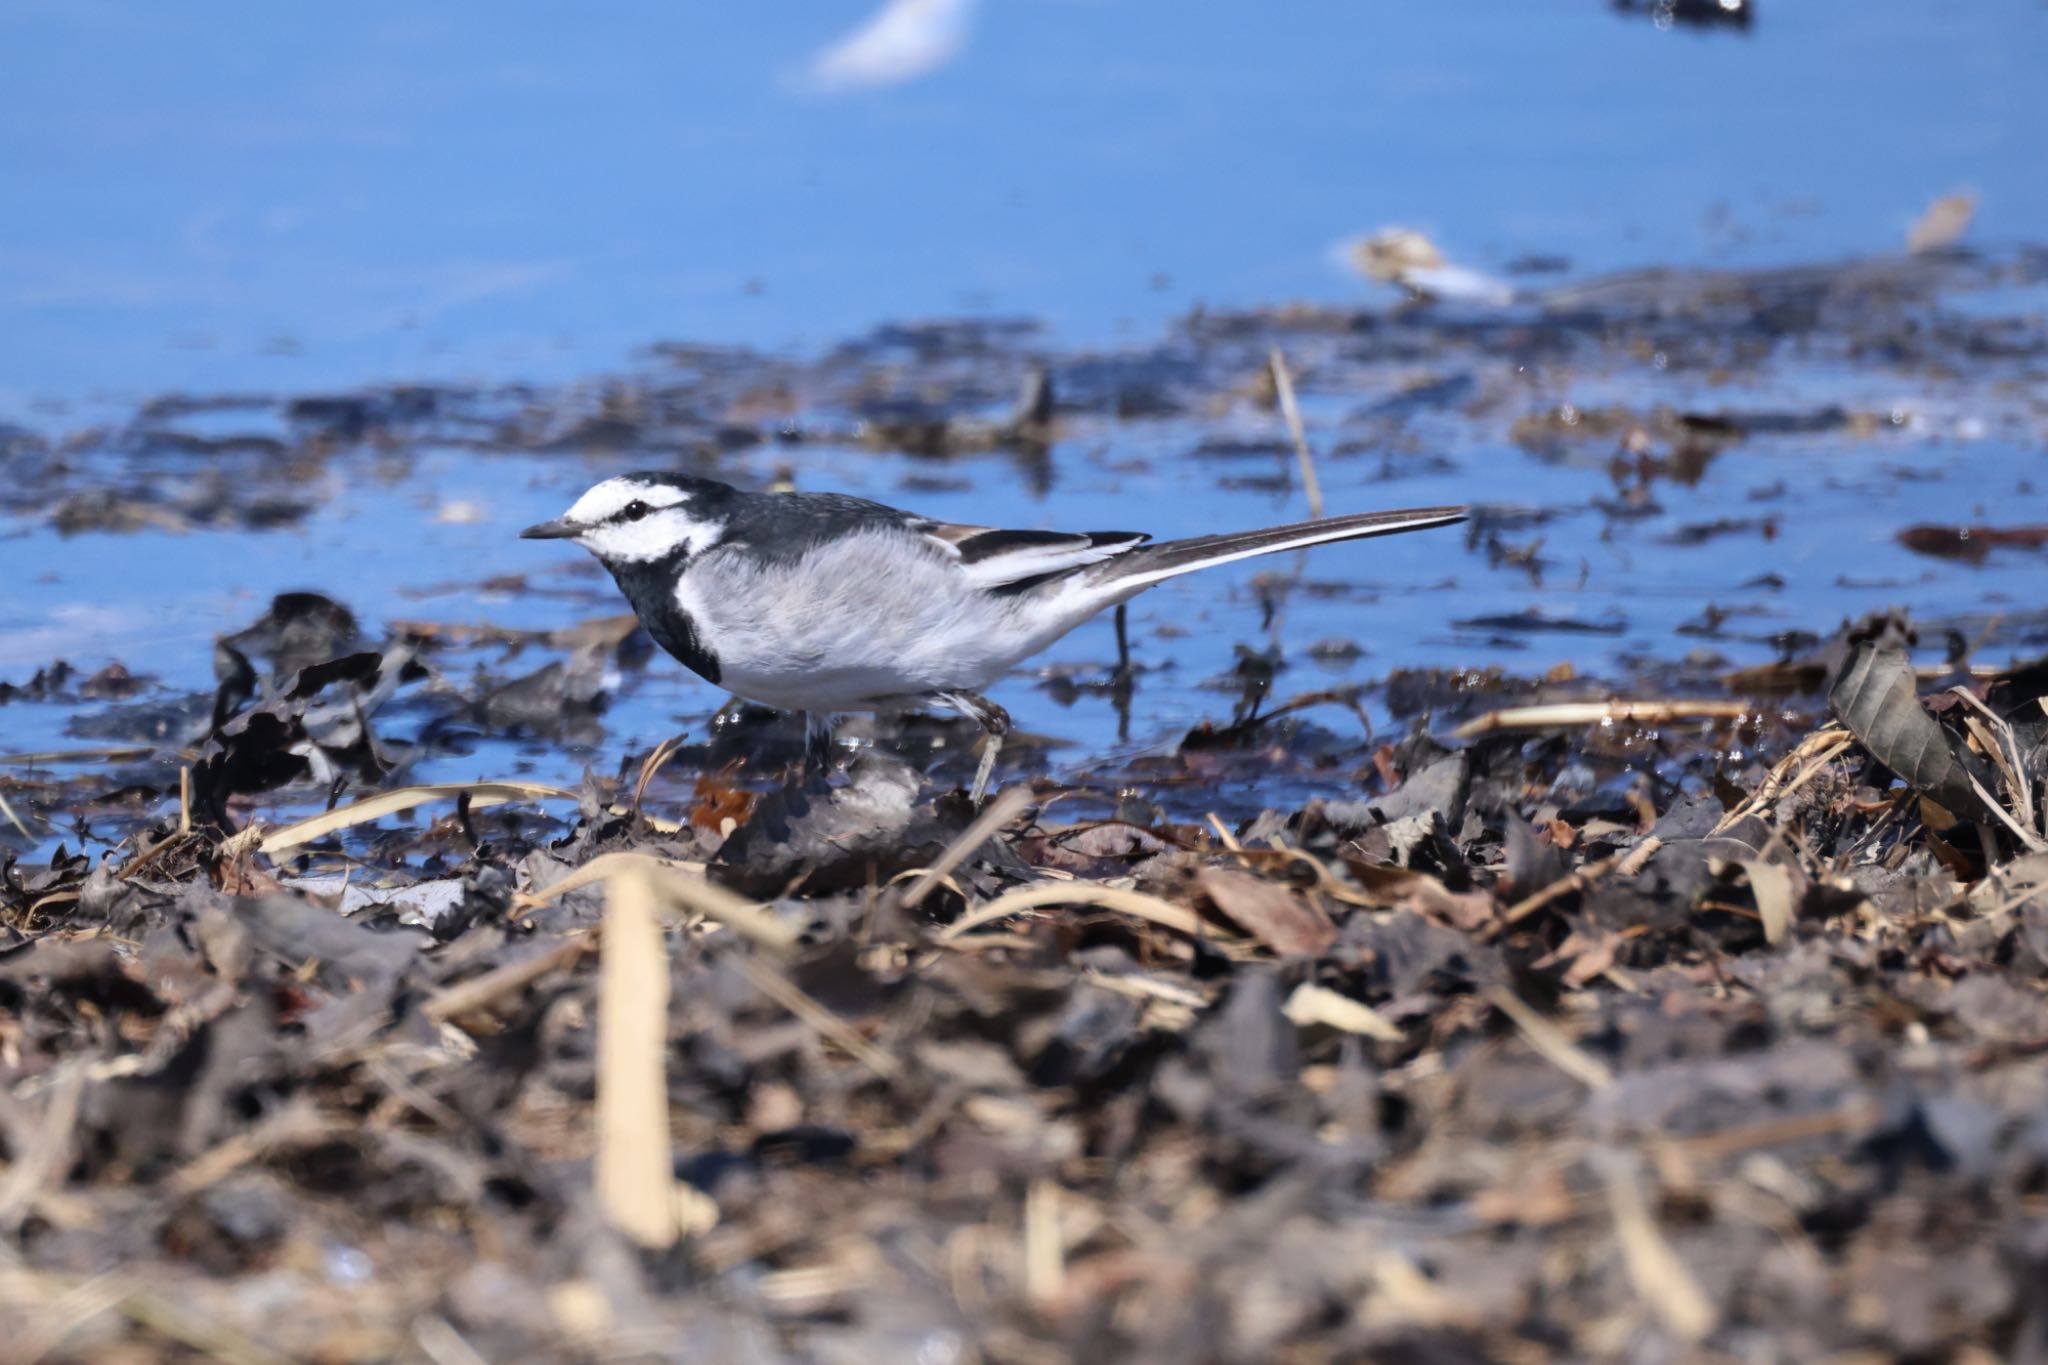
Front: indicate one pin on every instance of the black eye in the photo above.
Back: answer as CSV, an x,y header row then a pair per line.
x,y
635,510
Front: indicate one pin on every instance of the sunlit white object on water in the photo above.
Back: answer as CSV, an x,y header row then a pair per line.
x,y
1943,224
899,42
1406,257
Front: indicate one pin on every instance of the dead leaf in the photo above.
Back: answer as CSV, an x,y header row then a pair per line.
x,y
1776,897
1313,1004
1587,955
1877,697
718,801
1278,916
1466,911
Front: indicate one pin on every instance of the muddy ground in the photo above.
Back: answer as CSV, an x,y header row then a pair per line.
x,y
1677,997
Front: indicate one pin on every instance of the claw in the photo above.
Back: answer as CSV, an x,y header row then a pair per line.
x,y
995,723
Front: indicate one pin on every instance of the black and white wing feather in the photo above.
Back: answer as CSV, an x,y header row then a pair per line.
x,y
994,559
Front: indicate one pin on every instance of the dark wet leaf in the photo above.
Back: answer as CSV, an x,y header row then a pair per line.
x,y
1971,544
1536,622
1877,697
858,834
344,954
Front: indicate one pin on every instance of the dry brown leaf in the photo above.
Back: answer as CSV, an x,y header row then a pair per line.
x,y
1550,1041
1588,955
1385,885
1160,912
1313,1004
1278,916
1468,912
1776,897
718,801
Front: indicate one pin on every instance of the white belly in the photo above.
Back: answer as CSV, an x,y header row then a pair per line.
x,y
872,620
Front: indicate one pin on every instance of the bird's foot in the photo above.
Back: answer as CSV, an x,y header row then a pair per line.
x,y
995,723
816,764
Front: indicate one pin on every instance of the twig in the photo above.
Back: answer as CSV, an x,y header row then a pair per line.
x,y
1161,912
682,884
1045,1269
793,998
1346,697
112,754
634,1172
149,855
474,994
993,817
1564,714
1991,743
2029,840
442,1344
1313,1004
1549,1040
1995,734
1283,385
46,1156
1637,858
14,820
212,1339
405,798
2014,901
1653,1267
1580,879
69,1308
1726,1142
296,1122
654,763
1821,748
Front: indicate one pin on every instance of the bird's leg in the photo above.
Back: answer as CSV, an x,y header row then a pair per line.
x,y
995,723
1121,679
817,743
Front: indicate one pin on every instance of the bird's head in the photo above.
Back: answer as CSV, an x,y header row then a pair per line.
x,y
641,518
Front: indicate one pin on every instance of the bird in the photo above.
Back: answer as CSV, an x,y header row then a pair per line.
x,y
825,603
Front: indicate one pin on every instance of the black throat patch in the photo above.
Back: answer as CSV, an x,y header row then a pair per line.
x,y
651,588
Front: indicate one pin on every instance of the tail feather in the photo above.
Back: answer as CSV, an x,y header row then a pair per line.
x,y
1140,568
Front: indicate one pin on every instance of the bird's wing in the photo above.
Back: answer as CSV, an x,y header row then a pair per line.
x,y
994,558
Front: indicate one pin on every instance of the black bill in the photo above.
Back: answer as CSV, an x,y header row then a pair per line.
x,y
558,529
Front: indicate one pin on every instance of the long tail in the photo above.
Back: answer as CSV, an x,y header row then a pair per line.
x,y
1142,567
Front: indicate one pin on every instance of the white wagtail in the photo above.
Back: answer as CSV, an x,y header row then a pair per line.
x,y
821,603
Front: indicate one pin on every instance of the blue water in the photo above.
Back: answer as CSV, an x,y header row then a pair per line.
x,y
269,197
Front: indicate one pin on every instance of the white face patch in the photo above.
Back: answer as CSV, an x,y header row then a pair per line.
x,y
606,500
654,536
663,529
